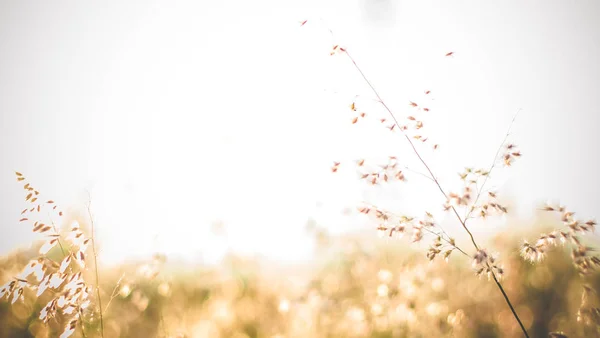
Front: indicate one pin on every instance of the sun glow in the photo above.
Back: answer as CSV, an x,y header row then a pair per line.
x,y
187,117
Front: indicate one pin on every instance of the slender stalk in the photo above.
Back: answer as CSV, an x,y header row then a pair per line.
x,y
96,267
62,249
82,326
492,166
83,331
435,180
447,240
162,323
114,293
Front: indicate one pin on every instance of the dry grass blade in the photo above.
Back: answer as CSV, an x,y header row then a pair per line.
x,y
93,239
59,279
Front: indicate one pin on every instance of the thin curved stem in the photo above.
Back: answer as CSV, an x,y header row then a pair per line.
x,y
492,166
435,180
447,240
96,267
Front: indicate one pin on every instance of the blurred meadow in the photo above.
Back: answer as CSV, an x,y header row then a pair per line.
x,y
259,169
357,286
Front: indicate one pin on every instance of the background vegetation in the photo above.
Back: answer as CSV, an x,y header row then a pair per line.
x,y
358,286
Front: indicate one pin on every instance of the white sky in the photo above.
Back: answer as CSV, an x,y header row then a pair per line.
x,y
177,114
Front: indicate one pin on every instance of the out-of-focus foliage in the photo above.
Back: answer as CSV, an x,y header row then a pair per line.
x,y
358,287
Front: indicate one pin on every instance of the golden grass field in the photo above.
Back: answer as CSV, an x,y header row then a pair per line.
x,y
359,286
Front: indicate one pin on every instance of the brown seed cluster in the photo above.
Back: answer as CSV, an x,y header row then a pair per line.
x,y
337,49
582,255
412,127
61,279
471,194
588,314
415,124
486,264
584,262
510,154
378,173
391,224
439,247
